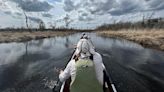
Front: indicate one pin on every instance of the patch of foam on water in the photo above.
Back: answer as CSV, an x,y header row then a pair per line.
x,y
49,83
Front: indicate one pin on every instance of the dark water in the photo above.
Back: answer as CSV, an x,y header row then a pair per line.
x,y
29,66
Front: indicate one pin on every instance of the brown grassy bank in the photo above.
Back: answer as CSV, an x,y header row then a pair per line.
x,y
17,36
153,38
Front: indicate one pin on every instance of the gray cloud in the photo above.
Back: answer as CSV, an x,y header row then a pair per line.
x,y
155,4
113,7
8,12
34,19
33,5
94,6
126,6
101,7
47,15
68,5
19,14
84,16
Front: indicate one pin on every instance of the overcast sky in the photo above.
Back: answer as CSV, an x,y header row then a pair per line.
x,y
82,13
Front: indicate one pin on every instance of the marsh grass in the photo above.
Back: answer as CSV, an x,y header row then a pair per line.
x,y
153,38
16,36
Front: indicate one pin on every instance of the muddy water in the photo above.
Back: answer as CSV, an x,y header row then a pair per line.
x,y
29,66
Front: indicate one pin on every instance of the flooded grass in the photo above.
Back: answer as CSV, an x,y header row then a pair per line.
x,y
153,38
17,36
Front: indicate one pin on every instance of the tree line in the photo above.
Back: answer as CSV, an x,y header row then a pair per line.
x,y
149,23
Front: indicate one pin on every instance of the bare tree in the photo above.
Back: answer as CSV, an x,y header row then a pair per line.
x,y
41,25
26,18
152,14
52,25
67,20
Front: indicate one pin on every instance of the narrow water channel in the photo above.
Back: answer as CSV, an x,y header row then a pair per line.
x,y
29,66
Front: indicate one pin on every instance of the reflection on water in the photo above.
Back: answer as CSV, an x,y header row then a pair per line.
x,y
29,66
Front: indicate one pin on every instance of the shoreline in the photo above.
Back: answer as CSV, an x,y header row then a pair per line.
x,y
147,38
17,36
153,38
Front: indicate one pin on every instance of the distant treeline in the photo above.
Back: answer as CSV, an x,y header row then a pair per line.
x,y
150,23
43,29
157,23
